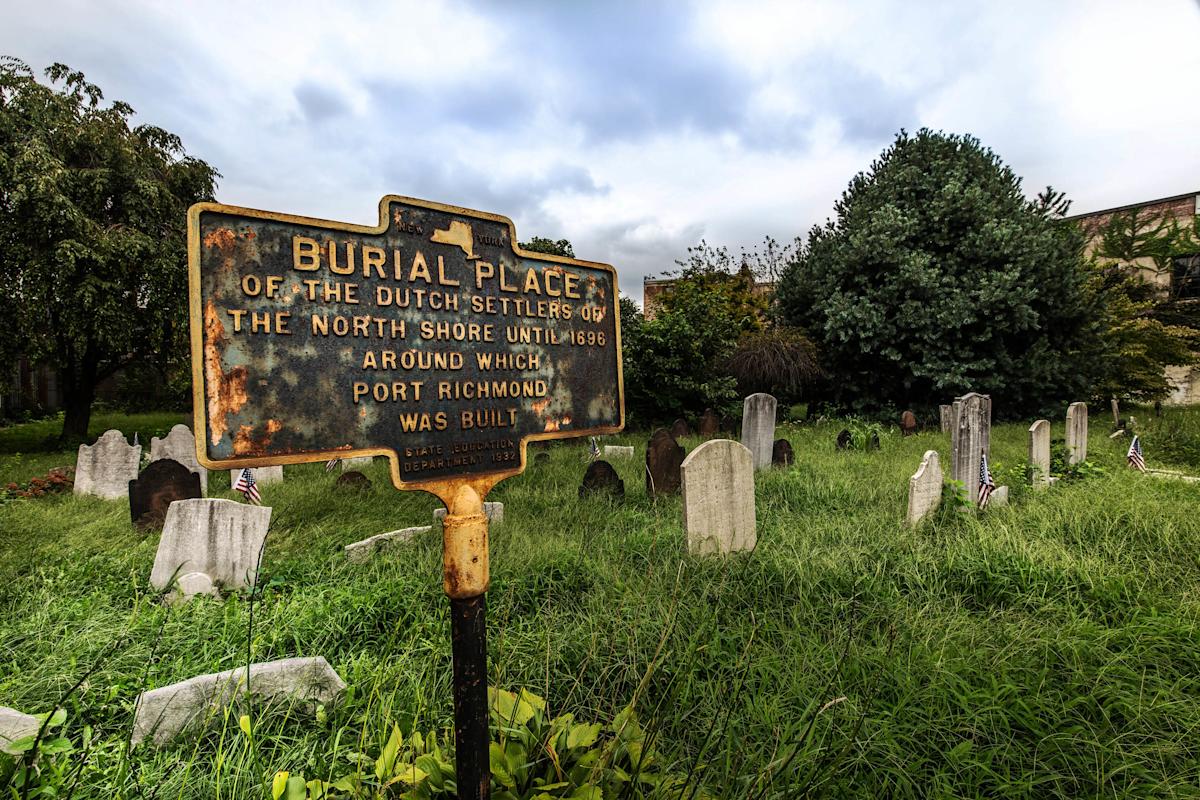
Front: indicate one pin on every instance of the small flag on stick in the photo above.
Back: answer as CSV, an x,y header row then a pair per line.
x,y
593,449
986,484
1134,456
248,486
331,464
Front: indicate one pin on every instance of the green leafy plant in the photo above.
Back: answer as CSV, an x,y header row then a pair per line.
x,y
39,764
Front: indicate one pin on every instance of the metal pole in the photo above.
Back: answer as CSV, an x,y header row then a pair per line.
x,y
465,580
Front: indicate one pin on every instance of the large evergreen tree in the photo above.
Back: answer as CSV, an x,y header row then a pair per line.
x,y
938,277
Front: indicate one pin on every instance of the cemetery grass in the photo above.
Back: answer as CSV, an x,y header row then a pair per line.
x,y
1047,649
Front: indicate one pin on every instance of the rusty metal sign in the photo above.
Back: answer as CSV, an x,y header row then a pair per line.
x,y
431,339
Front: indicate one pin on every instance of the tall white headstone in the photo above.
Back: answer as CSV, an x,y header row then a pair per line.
x,y
718,498
180,445
106,467
1077,432
219,538
758,427
1039,454
970,439
925,488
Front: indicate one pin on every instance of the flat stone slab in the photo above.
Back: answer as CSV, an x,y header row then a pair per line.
x,y
718,498
493,511
166,712
618,451
179,444
364,551
104,469
925,488
14,725
220,538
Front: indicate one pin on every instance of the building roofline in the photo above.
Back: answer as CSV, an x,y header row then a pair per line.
x,y
1130,206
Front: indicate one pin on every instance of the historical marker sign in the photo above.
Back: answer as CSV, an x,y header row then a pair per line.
x,y
430,338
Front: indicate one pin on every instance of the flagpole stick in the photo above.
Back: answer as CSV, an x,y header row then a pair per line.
x,y
465,581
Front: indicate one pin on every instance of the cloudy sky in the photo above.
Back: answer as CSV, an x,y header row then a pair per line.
x,y
635,130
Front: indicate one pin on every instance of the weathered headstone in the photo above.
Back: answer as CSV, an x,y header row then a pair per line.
x,y
999,497
601,478
1077,432
782,454
1116,411
13,726
352,481
946,417
680,429
970,439
356,463
758,427
1039,454
106,467
263,476
220,538
361,552
165,713
718,498
663,459
494,511
845,439
180,445
156,487
618,451
908,423
709,425
925,488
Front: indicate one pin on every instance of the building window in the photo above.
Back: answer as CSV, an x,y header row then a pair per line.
x,y
1185,277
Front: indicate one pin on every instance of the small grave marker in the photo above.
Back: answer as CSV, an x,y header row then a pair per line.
x,y
709,425
925,488
908,423
758,427
1039,454
680,429
352,481
845,439
157,486
663,459
1077,432
601,478
782,454
718,498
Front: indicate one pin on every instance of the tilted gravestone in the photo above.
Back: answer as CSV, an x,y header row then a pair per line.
x,y
758,427
222,539
680,429
364,551
13,726
663,459
845,439
352,481
156,487
718,498
946,417
180,445
925,488
782,454
908,423
263,476
601,478
106,467
709,425
169,711
969,440
1039,454
1077,432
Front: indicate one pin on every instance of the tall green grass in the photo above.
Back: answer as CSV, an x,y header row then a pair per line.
x,y
1047,649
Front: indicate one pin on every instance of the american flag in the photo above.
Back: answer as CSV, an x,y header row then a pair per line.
x,y
330,464
986,484
1134,455
248,486
594,449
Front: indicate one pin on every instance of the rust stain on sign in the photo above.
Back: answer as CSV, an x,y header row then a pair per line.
x,y
227,390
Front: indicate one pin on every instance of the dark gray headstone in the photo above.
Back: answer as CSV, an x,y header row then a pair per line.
x,y
709,425
353,480
664,457
782,454
601,478
844,439
680,428
156,487
908,423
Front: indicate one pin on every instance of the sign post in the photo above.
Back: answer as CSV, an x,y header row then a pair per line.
x,y
430,339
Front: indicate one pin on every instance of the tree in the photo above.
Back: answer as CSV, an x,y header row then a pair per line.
x,y
93,214
937,277
539,244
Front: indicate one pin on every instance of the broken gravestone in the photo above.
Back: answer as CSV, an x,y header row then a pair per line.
x,y
1077,432
663,458
782,454
163,714
718,498
105,468
219,538
925,488
758,427
156,487
908,423
601,478
364,551
179,445
1039,454
709,425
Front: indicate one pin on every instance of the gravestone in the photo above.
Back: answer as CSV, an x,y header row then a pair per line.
x,y
718,498
106,467
263,476
663,459
908,423
1039,454
493,511
352,481
601,478
156,487
873,442
680,429
999,497
758,427
1116,411
541,458
169,711
13,726
618,451
925,488
845,439
180,445
709,425
364,551
946,417
356,463
970,439
219,538
782,454
1077,432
